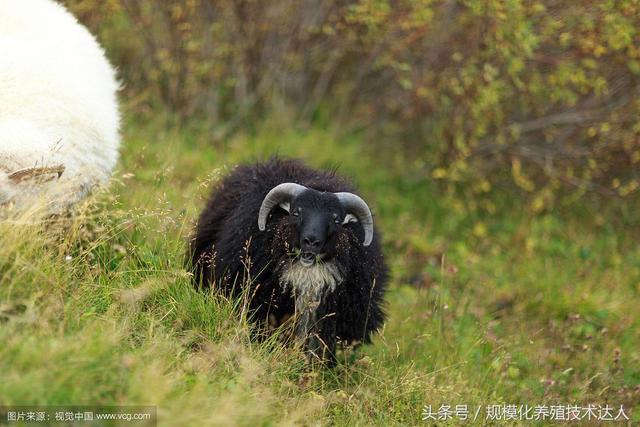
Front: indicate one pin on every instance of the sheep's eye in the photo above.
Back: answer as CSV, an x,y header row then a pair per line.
x,y
296,212
336,219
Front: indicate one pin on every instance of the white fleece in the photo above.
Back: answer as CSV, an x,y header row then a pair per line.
x,y
58,104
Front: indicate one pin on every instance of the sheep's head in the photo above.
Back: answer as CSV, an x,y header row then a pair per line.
x,y
316,218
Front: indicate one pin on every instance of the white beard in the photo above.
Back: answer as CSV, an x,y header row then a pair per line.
x,y
309,285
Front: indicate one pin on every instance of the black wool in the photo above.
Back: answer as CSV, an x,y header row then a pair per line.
x,y
229,252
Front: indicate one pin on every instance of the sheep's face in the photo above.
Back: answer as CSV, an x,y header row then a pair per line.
x,y
315,220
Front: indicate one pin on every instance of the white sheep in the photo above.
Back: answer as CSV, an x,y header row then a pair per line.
x,y
59,116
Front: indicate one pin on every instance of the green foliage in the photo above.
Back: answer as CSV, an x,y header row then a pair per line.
x,y
483,309
542,94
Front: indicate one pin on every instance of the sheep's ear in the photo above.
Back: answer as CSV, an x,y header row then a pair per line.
x,y
285,205
349,218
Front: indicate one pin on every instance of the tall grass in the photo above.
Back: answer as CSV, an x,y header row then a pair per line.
x,y
97,308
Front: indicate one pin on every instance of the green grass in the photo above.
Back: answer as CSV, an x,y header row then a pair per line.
x,y
508,308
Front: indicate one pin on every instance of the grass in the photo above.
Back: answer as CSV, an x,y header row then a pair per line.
x,y
509,308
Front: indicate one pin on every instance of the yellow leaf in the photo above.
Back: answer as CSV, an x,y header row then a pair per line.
x,y
439,173
480,230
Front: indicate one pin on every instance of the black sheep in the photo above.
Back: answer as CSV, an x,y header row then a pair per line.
x,y
301,245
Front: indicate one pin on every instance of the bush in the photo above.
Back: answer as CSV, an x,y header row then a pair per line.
x,y
541,93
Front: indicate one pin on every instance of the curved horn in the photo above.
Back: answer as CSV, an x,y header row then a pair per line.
x,y
277,195
355,205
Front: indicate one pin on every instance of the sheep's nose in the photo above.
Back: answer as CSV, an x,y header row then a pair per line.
x,y
311,241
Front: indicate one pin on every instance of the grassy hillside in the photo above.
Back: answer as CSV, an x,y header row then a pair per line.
x,y
502,308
